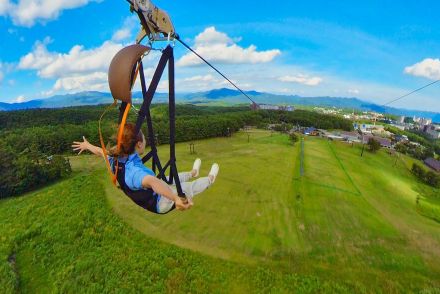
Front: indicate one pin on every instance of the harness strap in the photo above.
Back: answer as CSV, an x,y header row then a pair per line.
x,y
119,139
101,139
114,176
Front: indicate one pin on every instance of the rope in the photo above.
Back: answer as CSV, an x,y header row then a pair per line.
x,y
204,60
406,95
101,139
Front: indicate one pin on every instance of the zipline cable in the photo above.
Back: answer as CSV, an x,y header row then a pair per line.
x,y
406,95
199,56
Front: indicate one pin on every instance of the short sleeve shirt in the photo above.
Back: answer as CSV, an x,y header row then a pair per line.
x,y
135,171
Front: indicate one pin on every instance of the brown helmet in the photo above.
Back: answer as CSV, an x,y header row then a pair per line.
x,y
122,70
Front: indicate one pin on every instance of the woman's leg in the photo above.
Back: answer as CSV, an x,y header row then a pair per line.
x,y
193,188
198,186
185,176
194,173
164,205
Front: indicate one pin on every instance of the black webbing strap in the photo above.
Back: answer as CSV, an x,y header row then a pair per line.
x,y
148,95
144,114
121,111
172,117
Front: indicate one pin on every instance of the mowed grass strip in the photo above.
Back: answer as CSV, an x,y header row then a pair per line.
x,y
322,167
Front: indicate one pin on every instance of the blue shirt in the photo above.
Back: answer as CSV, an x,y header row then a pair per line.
x,y
135,171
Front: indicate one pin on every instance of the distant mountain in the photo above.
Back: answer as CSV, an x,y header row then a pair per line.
x,y
227,95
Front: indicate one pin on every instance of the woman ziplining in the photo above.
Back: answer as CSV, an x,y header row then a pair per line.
x,y
140,183
161,191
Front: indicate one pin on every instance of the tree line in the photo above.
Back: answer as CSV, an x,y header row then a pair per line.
x,y
35,141
27,170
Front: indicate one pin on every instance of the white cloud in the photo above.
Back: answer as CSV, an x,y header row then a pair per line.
x,y
20,99
95,81
126,31
27,12
218,47
4,7
1,77
77,61
210,36
301,79
428,68
79,69
122,34
353,91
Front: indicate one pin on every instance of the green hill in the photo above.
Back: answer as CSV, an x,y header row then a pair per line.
x,y
350,224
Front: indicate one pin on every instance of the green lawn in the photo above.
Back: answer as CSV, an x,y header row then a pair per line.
x,y
350,224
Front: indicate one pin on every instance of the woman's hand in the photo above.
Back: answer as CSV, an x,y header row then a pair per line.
x,y
180,205
81,146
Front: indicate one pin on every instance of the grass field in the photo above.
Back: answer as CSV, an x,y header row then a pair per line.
x,y
350,223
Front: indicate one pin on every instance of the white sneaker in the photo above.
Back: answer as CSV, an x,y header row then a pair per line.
x,y
214,172
196,166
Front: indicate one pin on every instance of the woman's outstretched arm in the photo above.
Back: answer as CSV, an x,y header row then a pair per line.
x,y
85,145
161,188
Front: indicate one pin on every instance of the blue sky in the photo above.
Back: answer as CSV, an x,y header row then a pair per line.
x,y
374,50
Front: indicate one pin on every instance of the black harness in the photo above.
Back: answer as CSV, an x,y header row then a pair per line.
x,y
147,199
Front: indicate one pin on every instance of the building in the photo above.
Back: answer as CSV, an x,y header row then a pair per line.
x,y
432,163
351,136
422,121
334,137
384,142
311,131
368,128
401,138
268,107
432,130
255,106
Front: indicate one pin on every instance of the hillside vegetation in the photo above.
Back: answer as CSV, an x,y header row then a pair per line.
x,y
350,224
66,238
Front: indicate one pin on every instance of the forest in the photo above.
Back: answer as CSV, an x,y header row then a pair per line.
x,y
37,142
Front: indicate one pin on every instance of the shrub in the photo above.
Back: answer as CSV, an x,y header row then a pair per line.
x,y
373,145
293,138
429,177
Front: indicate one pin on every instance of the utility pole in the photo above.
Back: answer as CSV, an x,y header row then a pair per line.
x,y
192,149
363,146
